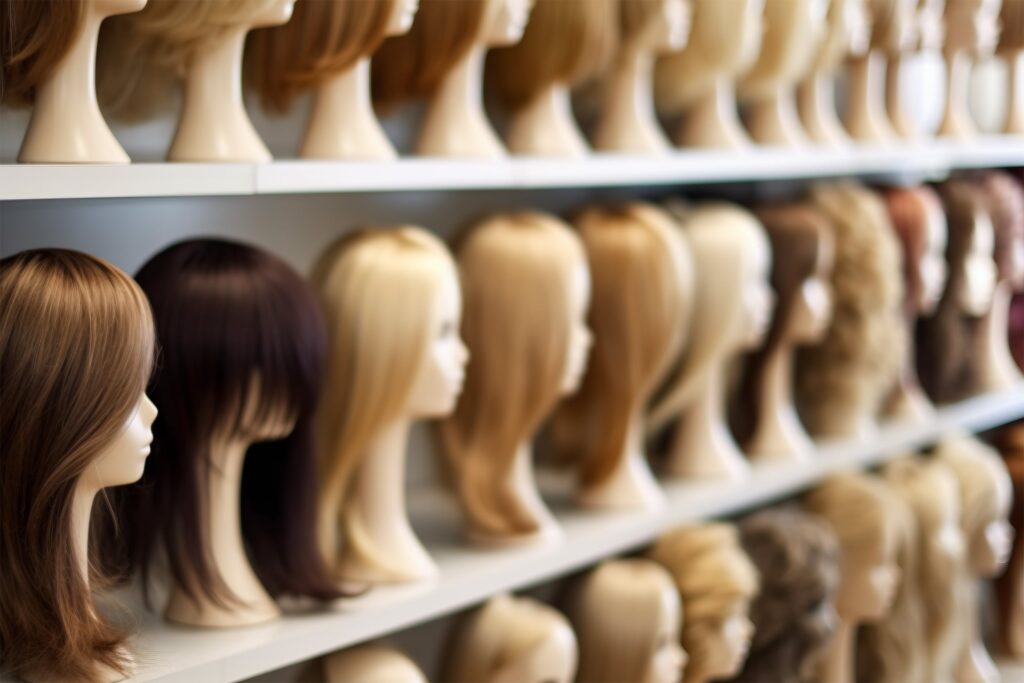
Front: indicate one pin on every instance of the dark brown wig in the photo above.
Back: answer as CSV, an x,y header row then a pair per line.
x,y
238,328
34,37
76,351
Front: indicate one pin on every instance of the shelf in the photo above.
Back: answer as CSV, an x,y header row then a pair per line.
x,y
470,575
691,167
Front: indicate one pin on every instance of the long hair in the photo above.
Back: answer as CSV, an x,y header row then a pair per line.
x,y
643,277
321,40
76,351
242,345
1009,588
1005,199
35,37
380,289
517,271
792,35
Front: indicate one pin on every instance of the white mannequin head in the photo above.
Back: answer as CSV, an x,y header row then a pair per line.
x,y
403,13
972,26
977,285
931,30
508,20
122,460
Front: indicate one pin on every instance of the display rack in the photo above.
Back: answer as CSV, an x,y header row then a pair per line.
x,y
691,167
470,574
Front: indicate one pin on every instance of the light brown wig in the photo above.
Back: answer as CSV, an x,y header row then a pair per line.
x,y
321,40
642,287
1005,197
565,43
76,351
34,38
1011,17
517,271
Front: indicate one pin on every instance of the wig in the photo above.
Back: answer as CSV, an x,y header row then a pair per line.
x,y
565,43
614,650
1011,18
946,339
714,577
729,248
35,37
517,272
324,38
642,278
911,210
886,24
380,289
76,351
635,18
242,346
1009,586
802,248
835,47
797,557
415,63
792,36
986,490
141,55
1005,201
503,631
853,368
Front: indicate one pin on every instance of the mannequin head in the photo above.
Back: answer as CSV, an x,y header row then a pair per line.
x,y
565,43
794,30
393,307
142,54
371,664
893,25
797,557
323,39
1006,208
527,290
848,33
931,29
510,640
646,647
242,348
724,42
733,298
69,428
716,582
972,26
920,224
1011,20
654,25
843,380
643,276
860,511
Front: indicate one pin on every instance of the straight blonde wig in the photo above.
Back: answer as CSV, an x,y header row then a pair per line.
x,y
517,273
792,36
380,289
642,277
986,490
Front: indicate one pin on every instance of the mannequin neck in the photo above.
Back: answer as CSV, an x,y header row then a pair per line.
x,y
1015,114
81,513
713,120
998,369
779,436
865,114
545,126
817,103
773,120
975,663
628,122
380,545
837,659
455,124
342,124
631,485
902,124
522,482
957,121
908,402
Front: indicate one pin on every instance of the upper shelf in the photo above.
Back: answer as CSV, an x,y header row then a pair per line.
x,y
470,574
933,159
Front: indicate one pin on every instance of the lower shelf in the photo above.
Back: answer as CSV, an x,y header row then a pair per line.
x,y
470,575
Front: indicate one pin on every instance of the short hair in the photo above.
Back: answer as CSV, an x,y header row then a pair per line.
x,y
35,37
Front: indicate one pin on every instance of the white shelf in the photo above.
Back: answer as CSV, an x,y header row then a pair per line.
x,y
469,575
926,161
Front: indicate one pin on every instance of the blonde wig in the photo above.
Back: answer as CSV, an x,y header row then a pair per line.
x,y
729,248
986,490
614,650
1011,17
716,49
791,38
835,47
853,368
1010,586
642,277
517,272
715,579
566,42
324,38
503,631
380,289
414,64
141,55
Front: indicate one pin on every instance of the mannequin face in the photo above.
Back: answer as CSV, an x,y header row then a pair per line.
x,y
580,337
124,458
668,658
726,649
439,381
507,22
973,25
752,33
930,29
279,12
553,661
978,284
932,269
402,14
670,30
858,26
108,8
867,586
758,304
990,550
1015,272
812,311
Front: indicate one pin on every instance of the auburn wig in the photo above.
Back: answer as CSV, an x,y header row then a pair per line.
x,y
792,35
322,39
642,277
1009,586
797,557
76,351
242,345
517,272
565,43
35,37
